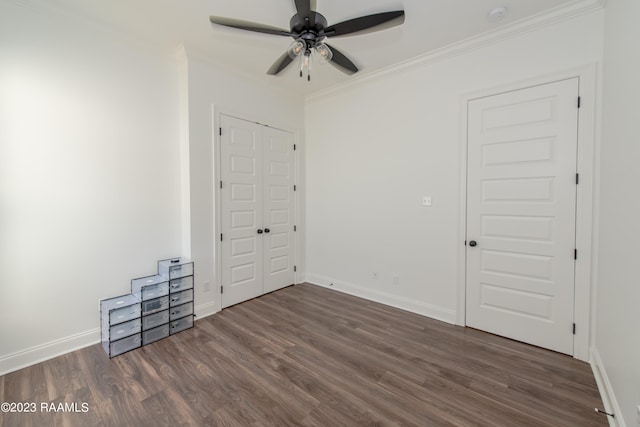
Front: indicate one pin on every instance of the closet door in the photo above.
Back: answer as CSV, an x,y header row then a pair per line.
x,y
257,209
241,210
278,210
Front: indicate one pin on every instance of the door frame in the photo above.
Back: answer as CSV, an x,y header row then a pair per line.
x,y
586,202
216,113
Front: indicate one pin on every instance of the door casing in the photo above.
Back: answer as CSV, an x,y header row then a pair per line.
x,y
587,197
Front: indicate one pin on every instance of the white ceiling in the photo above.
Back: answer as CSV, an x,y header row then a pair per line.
x,y
429,25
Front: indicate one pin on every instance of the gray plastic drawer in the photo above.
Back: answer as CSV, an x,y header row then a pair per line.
x,y
155,334
124,345
150,287
178,285
124,314
150,322
155,305
175,268
123,330
180,311
181,324
181,297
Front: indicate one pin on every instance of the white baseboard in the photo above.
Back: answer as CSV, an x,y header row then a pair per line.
x,y
205,310
418,307
40,353
606,391
31,356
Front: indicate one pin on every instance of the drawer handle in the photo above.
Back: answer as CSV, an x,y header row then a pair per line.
x,y
175,285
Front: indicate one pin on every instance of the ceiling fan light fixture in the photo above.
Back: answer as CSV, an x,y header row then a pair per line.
x,y
296,48
324,53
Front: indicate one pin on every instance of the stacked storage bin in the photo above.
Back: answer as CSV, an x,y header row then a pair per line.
x,y
158,306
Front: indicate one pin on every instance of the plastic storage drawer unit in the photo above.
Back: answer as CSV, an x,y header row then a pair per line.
x,y
181,297
180,311
155,305
150,287
175,268
120,321
155,334
153,320
181,324
181,284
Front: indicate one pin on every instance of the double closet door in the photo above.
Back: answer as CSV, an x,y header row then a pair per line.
x,y
257,209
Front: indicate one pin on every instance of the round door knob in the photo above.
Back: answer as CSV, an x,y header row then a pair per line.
x,y
266,230
473,243
259,231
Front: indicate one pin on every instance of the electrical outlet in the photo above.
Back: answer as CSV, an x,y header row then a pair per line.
x,y
375,275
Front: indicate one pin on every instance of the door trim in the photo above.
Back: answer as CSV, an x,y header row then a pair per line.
x,y
587,197
216,112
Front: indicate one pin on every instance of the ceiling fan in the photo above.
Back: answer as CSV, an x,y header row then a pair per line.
x,y
309,28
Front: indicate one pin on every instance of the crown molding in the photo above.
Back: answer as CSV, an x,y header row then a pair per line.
x,y
517,28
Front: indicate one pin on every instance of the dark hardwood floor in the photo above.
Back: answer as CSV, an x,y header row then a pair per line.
x,y
310,356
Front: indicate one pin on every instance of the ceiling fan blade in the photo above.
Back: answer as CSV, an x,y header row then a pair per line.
x,y
249,26
341,62
303,7
280,64
366,24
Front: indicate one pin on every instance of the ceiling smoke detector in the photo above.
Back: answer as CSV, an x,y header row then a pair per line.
x,y
497,14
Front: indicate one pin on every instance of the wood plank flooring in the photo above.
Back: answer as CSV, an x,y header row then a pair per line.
x,y
310,356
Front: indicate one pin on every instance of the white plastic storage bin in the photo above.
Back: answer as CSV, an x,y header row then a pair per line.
x,y
150,287
175,268
120,324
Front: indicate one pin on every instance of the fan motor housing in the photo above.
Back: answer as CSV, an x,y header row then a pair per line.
x,y
299,25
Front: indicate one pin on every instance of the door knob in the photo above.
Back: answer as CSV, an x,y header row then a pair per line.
x,y
266,230
473,243
259,231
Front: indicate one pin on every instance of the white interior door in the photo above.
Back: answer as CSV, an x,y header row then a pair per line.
x,y
278,196
241,210
521,201
257,209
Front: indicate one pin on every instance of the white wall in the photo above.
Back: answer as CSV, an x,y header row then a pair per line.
x,y
89,178
105,167
375,147
618,316
211,90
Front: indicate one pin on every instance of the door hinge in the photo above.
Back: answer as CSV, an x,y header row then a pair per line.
x,y
294,147
220,131
222,289
295,228
220,183
575,254
579,101
221,237
295,268
574,329
295,188
577,178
